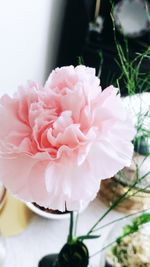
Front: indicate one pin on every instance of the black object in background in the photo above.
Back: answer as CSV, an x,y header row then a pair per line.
x,y
78,40
78,13
104,42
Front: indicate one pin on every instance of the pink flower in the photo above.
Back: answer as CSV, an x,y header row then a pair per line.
x,y
58,142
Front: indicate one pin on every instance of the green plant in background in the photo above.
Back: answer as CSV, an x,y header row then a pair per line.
x,y
134,80
126,250
97,227
130,67
136,83
143,133
134,226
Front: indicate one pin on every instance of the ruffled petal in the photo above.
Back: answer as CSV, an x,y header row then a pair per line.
x,y
107,157
66,190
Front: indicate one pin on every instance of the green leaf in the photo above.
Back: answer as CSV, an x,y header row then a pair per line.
x,y
82,237
135,226
142,219
80,61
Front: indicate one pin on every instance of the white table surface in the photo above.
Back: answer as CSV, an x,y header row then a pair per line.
x,y
44,236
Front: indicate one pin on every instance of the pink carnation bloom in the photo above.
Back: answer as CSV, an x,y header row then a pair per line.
x,y
58,142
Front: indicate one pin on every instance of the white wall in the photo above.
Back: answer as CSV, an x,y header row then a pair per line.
x,y
29,34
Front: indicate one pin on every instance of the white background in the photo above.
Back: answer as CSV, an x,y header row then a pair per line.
x,y
29,36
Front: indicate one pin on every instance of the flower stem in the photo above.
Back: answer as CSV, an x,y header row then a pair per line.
x,y
76,223
70,236
120,219
117,201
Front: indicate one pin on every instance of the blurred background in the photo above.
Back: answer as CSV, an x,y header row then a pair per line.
x,y
29,38
37,36
88,32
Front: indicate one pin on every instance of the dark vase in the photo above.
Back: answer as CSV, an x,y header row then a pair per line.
x,y
49,261
71,255
142,146
107,264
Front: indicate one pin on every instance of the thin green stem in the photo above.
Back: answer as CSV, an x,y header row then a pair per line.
x,y
107,211
70,236
76,223
115,204
120,219
129,229
102,249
